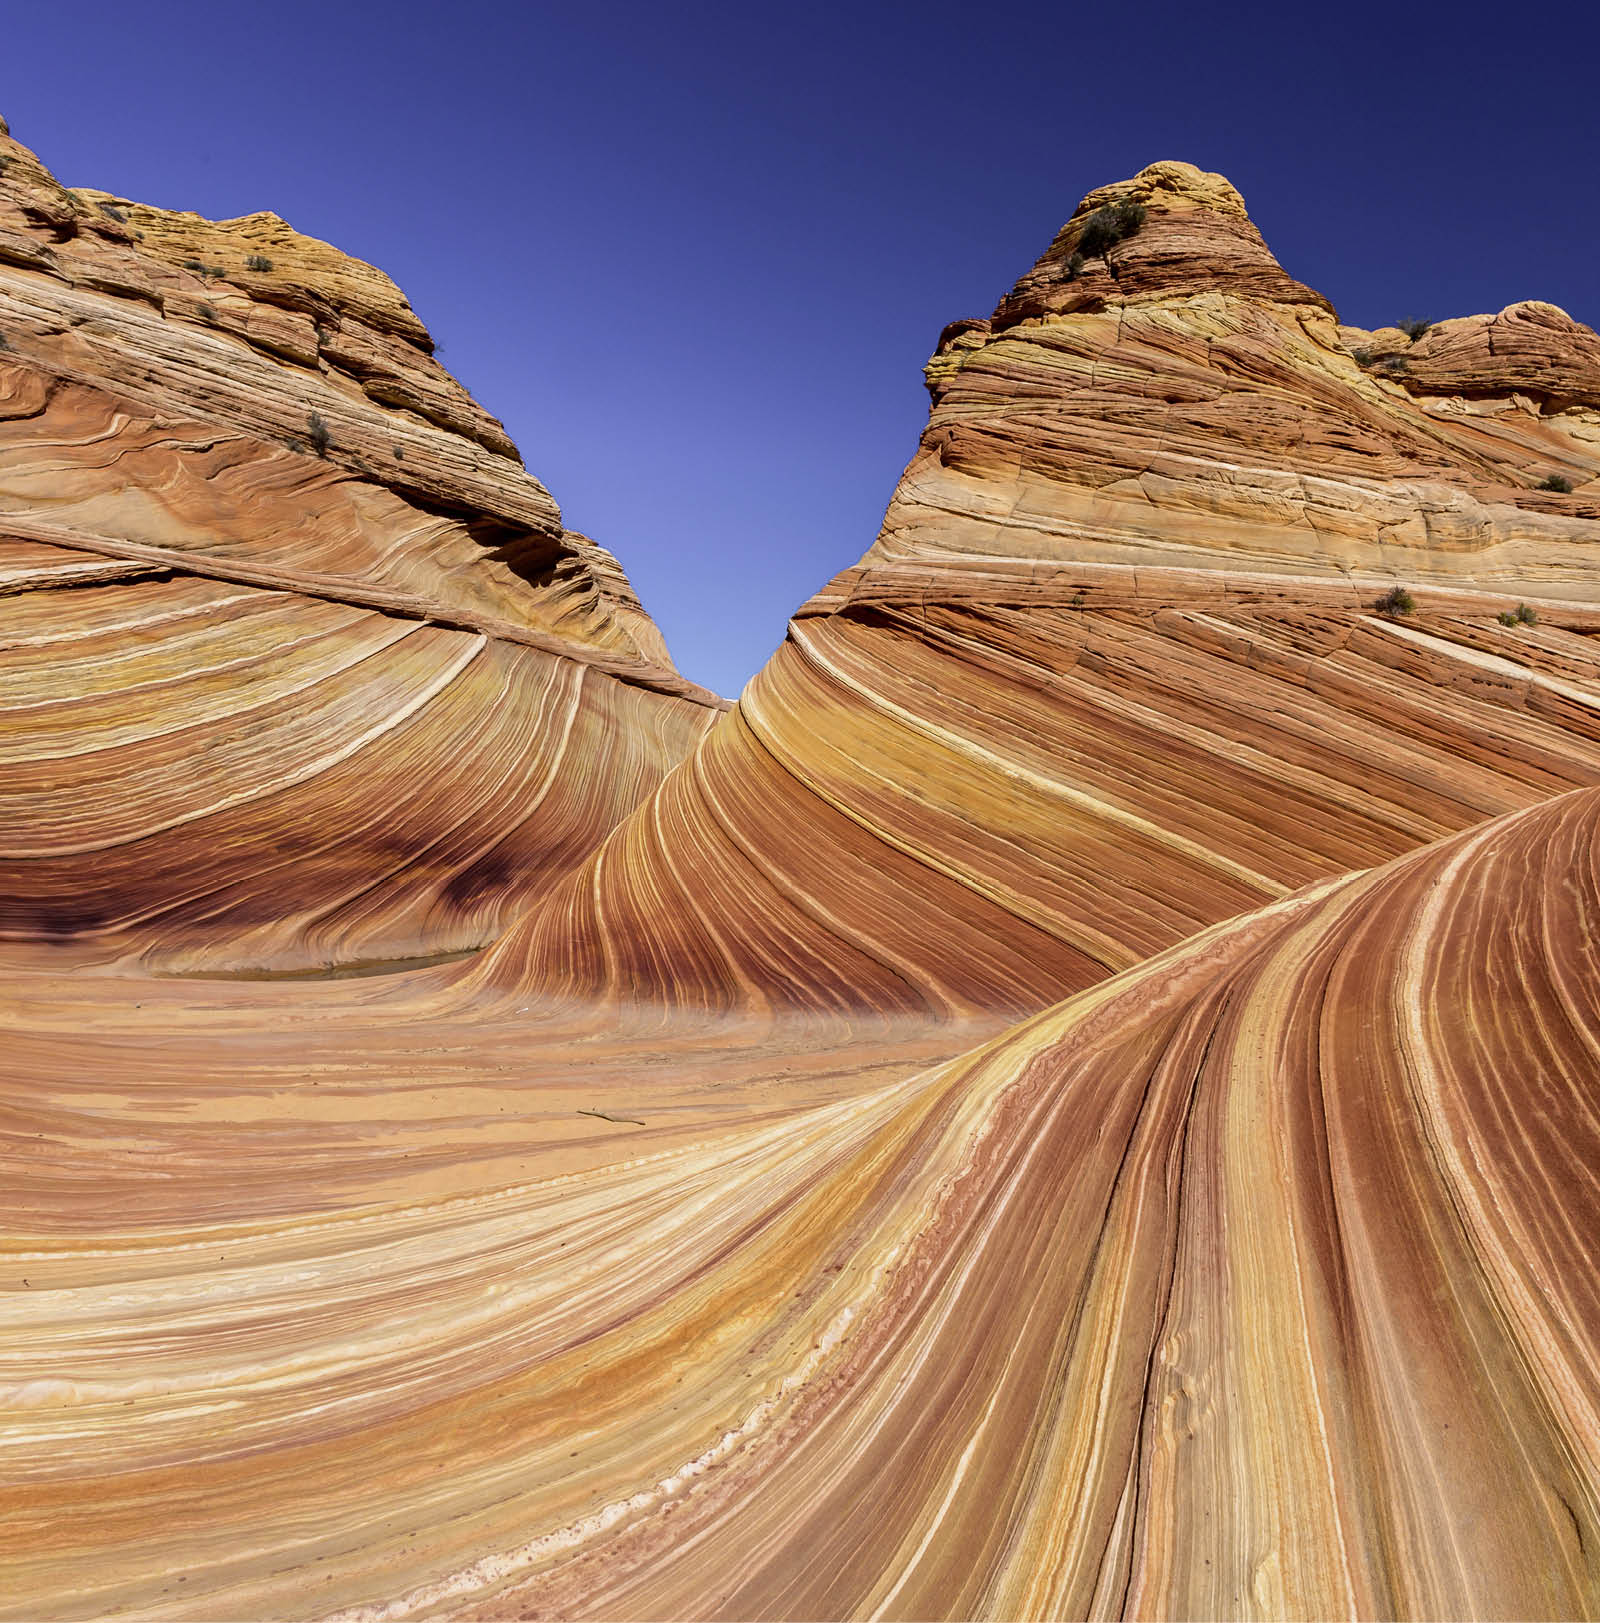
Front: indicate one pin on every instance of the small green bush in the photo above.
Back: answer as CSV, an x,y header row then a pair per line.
x,y
1099,233
1362,357
399,453
1506,617
1074,267
1414,327
195,266
318,433
208,312
1397,600
1557,482
1525,615
1131,214
257,262
1110,224
112,212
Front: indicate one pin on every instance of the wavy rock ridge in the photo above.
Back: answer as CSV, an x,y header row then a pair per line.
x,y
1113,669
1076,1097
302,666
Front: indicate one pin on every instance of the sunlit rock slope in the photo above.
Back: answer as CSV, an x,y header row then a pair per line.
x,y
1078,1097
300,666
1115,667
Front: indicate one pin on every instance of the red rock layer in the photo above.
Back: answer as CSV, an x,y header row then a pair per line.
x,y
1114,668
710,1247
300,666
1004,800
1250,1281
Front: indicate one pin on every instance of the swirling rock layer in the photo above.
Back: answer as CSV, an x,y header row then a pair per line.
x,y
301,667
1004,801
1077,1097
1250,1282
1114,669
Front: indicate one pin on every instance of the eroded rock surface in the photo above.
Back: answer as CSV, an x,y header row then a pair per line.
x,y
301,666
1076,1097
1115,668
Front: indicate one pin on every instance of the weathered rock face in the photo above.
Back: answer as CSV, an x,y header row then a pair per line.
x,y
1247,1283
1190,235
301,665
1252,1279
1532,360
1113,669
718,1243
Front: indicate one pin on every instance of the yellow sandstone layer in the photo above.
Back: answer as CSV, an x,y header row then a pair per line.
x,y
1075,1098
301,668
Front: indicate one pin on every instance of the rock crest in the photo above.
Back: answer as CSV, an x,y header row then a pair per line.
x,y
238,490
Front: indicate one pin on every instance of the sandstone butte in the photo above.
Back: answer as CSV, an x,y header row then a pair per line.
x,y
1079,1095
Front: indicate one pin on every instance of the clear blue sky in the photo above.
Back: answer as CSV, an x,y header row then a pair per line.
x,y
694,256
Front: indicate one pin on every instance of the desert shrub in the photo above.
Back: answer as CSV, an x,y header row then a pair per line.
x,y
112,212
399,453
5,343
1414,327
1362,357
1099,233
1110,224
318,433
6,160
1397,600
1074,267
1506,617
195,266
1557,482
208,312
1525,616
257,262
1131,214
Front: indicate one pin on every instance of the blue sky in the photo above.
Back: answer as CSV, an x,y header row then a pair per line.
x,y
695,256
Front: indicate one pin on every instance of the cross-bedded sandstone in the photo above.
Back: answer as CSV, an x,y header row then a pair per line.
x,y
1076,1097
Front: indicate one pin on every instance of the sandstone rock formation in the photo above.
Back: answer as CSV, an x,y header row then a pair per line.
x,y
302,667
1113,669
1075,1097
